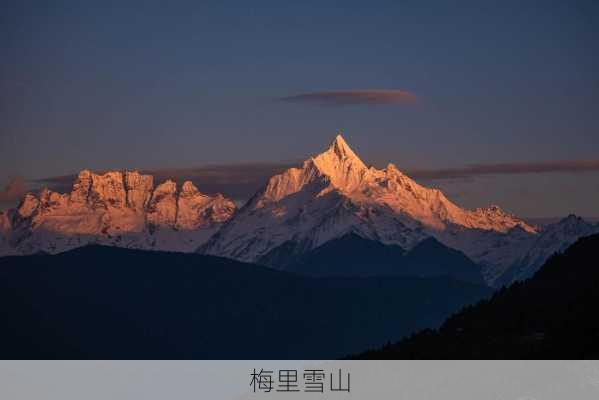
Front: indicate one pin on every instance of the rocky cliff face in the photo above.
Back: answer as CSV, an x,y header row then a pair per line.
x,y
116,208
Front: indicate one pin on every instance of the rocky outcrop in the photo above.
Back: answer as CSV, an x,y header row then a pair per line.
x,y
138,190
195,210
162,209
116,208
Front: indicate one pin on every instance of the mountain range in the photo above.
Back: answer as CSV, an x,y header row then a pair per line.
x,y
549,316
115,208
324,209
334,194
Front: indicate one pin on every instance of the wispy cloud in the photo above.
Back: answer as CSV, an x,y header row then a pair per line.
x,y
241,181
573,166
354,97
14,190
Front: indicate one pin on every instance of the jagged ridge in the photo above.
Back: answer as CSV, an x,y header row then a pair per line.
x,y
117,208
330,195
335,193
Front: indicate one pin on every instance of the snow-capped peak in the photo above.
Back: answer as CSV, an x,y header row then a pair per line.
x,y
121,208
341,165
335,193
340,151
552,238
337,166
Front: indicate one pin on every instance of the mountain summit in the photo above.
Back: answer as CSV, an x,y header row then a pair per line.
x,y
341,150
338,167
341,165
332,198
120,208
333,194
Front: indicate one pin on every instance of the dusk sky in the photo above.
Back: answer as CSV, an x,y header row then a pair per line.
x,y
494,103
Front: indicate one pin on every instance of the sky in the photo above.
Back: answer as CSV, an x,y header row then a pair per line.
x,y
505,92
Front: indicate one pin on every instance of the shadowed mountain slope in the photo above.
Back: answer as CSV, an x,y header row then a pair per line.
x,y
352,255
552,315
107,302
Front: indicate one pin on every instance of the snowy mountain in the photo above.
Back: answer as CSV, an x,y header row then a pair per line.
x,y
554,238
335,193
329,198
116,208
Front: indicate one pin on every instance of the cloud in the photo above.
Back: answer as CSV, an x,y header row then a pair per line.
x,y
472,170
354,97
14,190
241,181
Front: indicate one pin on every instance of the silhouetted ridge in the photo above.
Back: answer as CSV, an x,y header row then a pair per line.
x,y
114,303
352,255
551,315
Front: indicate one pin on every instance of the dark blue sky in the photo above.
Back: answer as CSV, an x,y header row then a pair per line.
x,y
182,84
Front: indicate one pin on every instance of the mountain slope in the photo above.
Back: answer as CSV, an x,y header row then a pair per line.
x,y
352,255
551,315
116,208
334,194
114,303
330,196
553,238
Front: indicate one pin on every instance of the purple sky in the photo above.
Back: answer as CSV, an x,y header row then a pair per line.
x,y
494,102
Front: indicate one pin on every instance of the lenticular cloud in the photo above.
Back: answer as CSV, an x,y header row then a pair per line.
x,y
366,97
